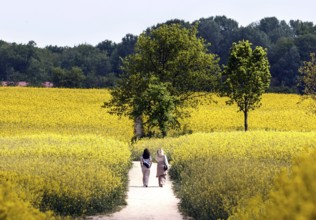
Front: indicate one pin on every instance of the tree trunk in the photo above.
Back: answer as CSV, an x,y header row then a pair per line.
x,y
164,133
246,120
138,127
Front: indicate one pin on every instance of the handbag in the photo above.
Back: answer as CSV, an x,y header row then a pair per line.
x,y
146,163
165,167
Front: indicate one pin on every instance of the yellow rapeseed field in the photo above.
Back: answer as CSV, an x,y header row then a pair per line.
x,y
215,171
279,112
293,196
77,111
61,152
70,175
62,111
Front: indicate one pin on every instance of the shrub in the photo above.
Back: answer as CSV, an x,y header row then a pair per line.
x,y
292,197
14,208
70,175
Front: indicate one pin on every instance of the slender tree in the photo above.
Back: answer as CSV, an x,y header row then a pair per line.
x,y
246,77
308,79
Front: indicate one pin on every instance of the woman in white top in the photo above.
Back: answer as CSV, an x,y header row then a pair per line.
x,y
145,163
162,167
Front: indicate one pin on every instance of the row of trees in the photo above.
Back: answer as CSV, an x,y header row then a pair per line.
x,y
171,66
288,45
83,66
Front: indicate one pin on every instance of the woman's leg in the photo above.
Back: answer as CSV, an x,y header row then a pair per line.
x,y
146,177
159,181
162,180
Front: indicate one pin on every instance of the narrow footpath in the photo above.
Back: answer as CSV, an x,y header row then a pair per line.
x,y
144,203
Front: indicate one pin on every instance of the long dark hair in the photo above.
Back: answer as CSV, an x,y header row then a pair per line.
x,y
146,154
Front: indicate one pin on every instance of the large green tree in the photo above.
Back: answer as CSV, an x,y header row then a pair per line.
x,y
168,66
246,77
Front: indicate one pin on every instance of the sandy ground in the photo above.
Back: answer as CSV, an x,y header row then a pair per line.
x,y
152,202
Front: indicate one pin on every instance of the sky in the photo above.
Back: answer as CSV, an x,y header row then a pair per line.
x,y
73,22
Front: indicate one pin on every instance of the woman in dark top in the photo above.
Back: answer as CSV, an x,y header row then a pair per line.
x,y
145,162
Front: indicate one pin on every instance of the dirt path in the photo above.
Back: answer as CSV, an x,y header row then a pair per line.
x,y
152,202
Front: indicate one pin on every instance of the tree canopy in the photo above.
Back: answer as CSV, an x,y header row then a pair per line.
x,y
246,77
169,65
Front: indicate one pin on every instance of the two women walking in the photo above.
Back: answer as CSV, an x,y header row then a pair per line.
x,y
162,166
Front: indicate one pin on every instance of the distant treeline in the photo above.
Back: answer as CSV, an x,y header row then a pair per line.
x,y
87,66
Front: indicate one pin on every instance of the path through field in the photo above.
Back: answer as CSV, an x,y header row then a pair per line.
x,y
144,203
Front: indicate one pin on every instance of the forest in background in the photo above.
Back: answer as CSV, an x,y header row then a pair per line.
x,y
88,66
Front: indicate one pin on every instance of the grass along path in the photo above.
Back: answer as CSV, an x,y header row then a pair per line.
x,y
152,202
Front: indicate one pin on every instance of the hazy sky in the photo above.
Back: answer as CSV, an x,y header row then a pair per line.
x,y
73,22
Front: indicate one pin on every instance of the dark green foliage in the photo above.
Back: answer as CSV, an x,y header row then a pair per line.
x,y
100,65
68,78
220,32
159,107
285,59
288,44
169,65
269,33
